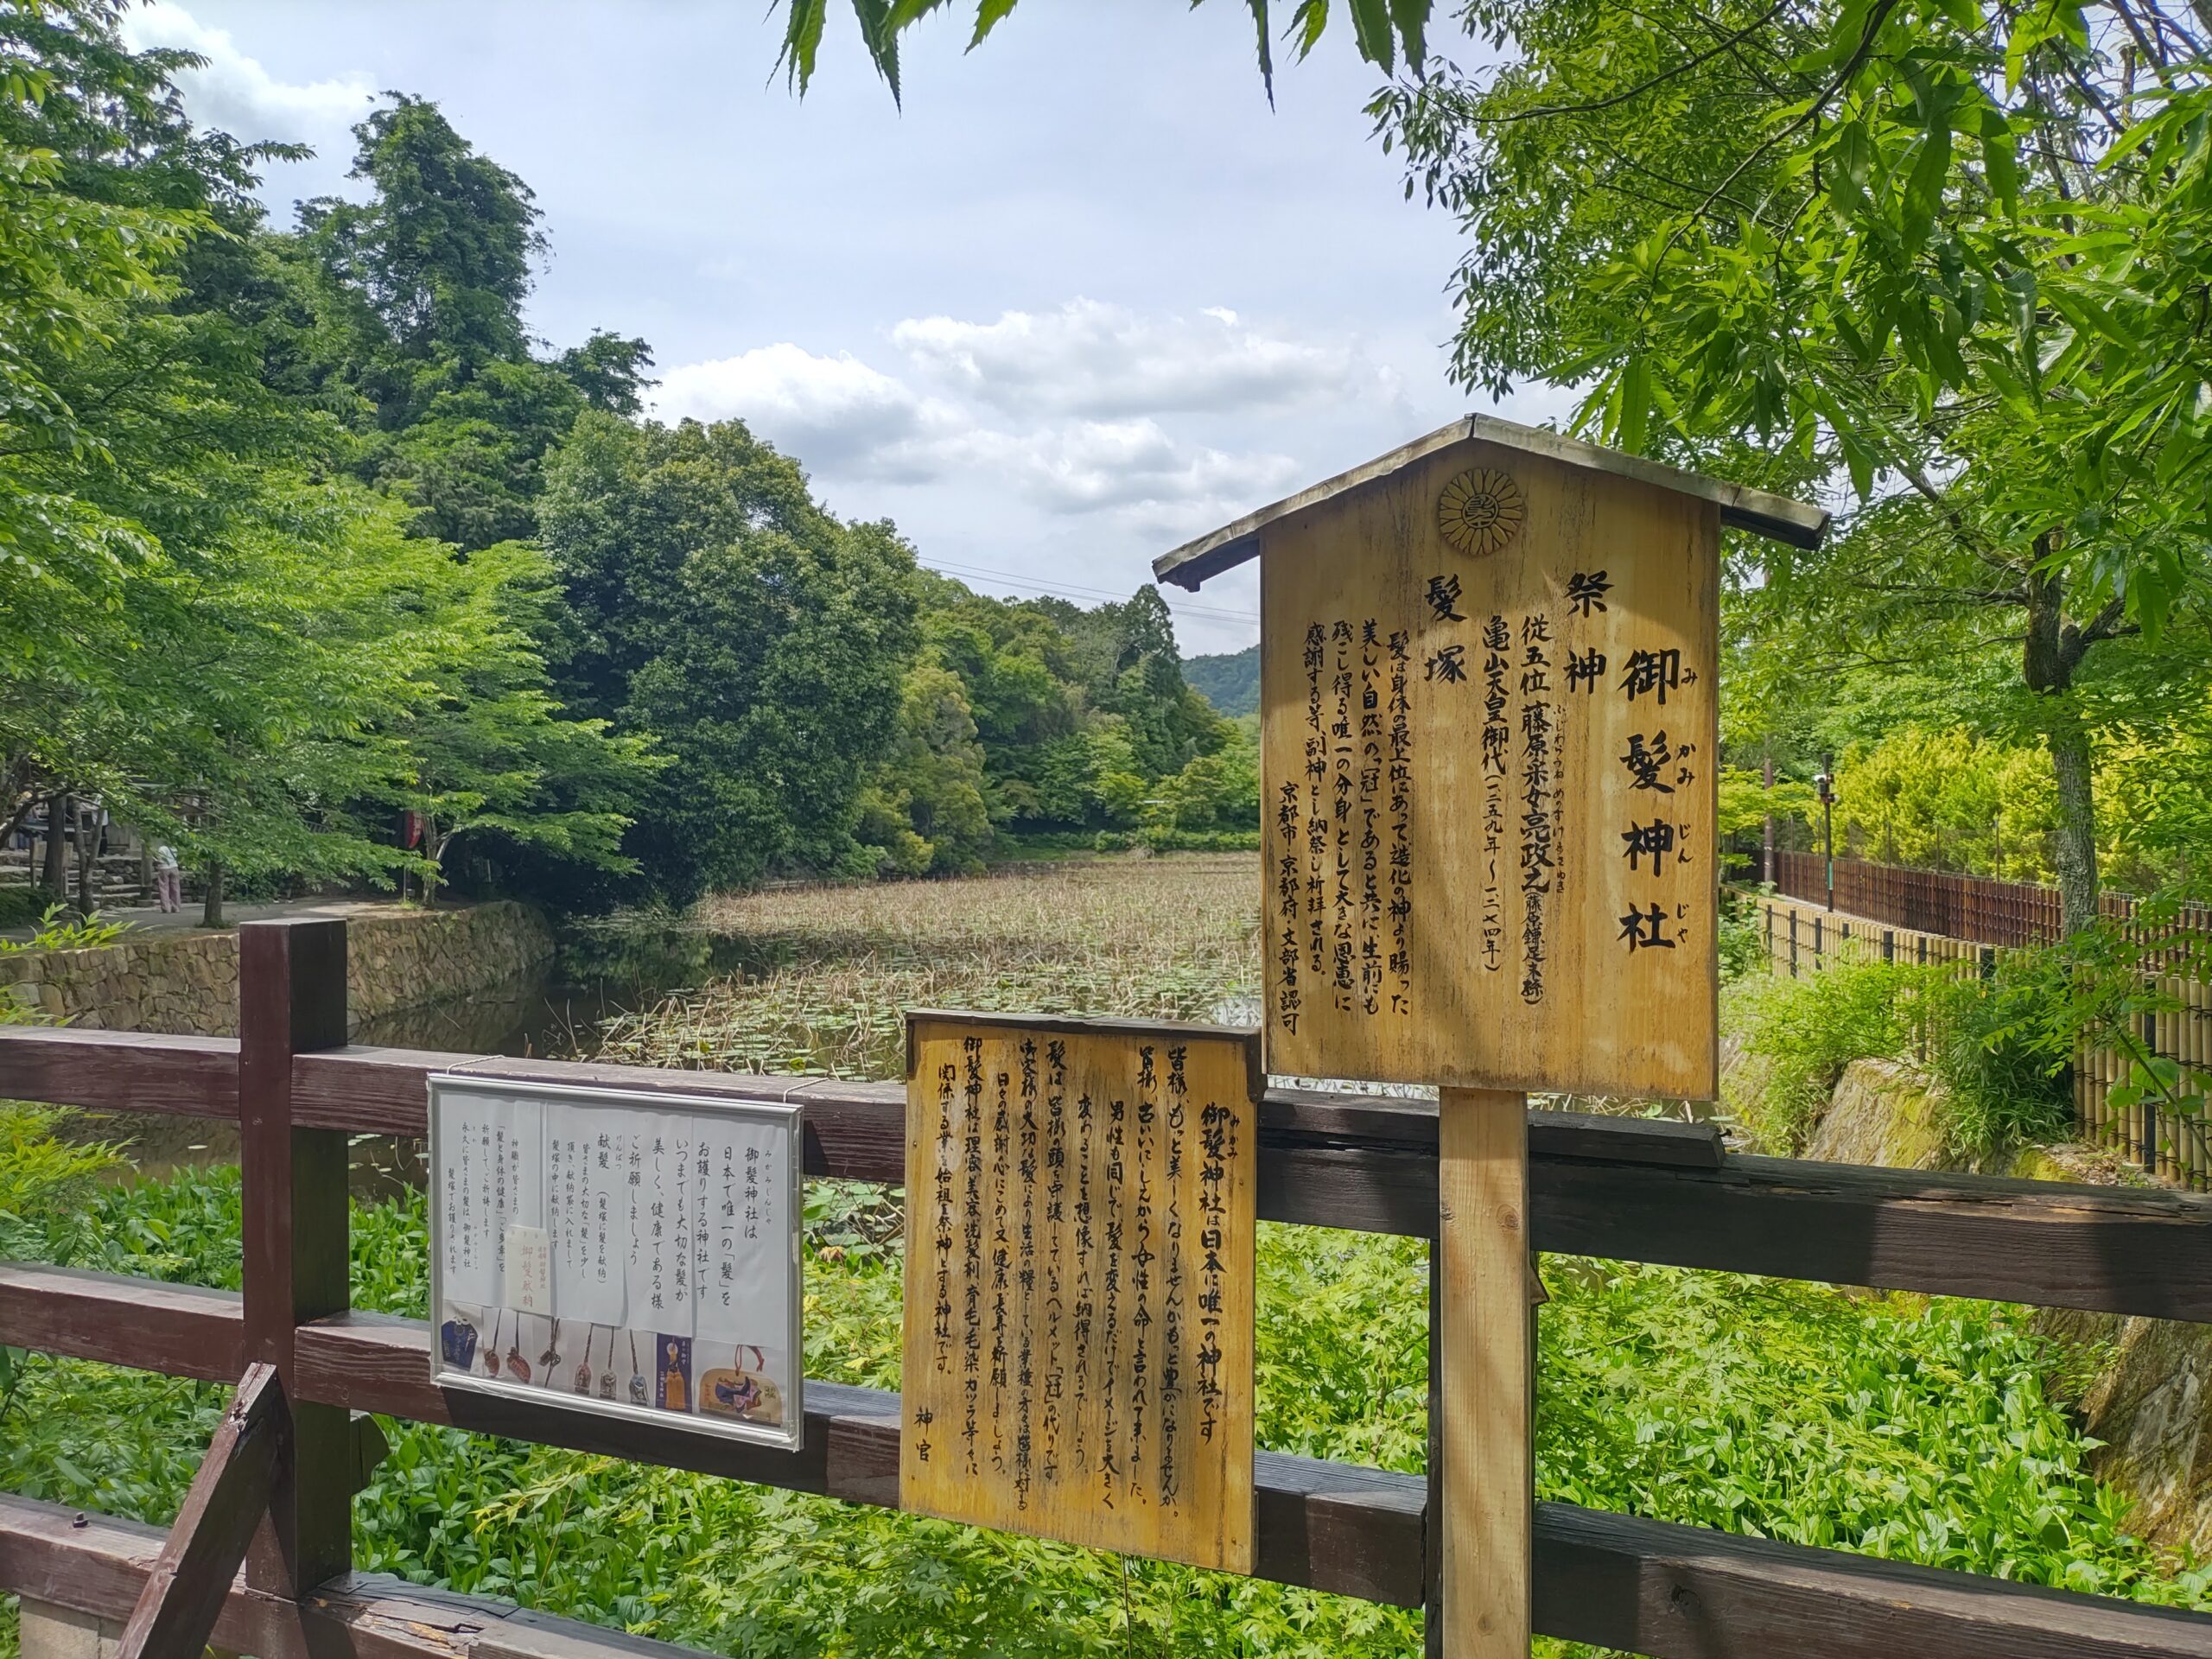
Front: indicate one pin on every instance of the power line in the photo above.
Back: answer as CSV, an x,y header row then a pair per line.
x,y
1070,590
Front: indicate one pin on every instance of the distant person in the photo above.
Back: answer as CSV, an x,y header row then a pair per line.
x,y
168,877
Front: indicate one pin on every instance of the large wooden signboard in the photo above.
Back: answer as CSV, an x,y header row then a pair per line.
x,y
1079,1277
1487,682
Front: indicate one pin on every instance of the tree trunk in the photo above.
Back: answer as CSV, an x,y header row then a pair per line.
x,y
2054,649
88,859
2074,847
211,907
54,878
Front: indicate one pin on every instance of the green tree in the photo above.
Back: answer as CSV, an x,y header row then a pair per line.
x,y
711,603
923,807
1946,251
490,756
439,259
233,644
407,319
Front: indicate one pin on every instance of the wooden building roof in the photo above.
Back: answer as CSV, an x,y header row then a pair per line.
x,y
1784,520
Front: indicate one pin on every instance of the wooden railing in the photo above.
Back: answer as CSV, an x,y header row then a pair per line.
x,y
1626,1189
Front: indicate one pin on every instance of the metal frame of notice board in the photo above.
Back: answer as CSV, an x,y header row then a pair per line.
x,y
777,1116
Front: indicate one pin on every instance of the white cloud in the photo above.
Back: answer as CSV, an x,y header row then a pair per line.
x,y
1104,362
235,92
845,419
836,414
1093,466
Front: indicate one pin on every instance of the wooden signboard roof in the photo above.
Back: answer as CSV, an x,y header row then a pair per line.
x,y
1743,508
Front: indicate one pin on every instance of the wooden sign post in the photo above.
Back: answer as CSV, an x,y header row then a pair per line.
x,y
1489,753
1079,1279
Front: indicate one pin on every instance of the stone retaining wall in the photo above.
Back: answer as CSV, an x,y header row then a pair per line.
x,y
188,984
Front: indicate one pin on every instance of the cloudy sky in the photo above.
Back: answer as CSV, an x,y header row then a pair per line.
x,y
1086,297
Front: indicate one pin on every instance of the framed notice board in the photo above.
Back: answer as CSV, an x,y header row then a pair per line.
x,y
1079,1281
628,1252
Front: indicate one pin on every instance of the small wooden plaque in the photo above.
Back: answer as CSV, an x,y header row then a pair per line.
x,y
1079,1281
1487,691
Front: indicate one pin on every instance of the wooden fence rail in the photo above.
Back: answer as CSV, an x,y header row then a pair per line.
x,y
1800,937
1626,1189
1970,907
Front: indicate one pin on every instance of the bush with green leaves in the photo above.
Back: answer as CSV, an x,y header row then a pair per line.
x,y
1807,1030
1742,941
2001,1061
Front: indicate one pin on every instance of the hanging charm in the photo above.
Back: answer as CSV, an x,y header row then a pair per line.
x,y
582,1384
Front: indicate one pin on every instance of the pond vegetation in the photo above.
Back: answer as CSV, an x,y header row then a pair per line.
x,y
1931,1431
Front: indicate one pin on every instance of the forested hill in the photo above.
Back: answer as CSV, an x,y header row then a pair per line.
x,y
1230,683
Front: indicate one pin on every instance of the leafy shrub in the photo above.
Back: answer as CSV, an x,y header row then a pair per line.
x,y
1742,941
1808,1030
2001,1058
1911,1429
60,928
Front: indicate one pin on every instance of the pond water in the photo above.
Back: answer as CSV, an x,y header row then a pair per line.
x,y
554,1012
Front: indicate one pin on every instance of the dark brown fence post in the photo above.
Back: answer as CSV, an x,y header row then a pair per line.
x,y
291,1000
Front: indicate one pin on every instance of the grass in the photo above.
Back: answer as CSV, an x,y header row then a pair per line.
x,y
1912,1429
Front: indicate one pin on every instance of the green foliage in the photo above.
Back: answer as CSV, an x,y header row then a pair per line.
x,y
710,603
1944,800
1048,718
45,1185
1920,1430
242,650
61,929
1746,802
1942,252
2002,1062
1381,29
1807,1030
2096,989
1996,1047
1742,941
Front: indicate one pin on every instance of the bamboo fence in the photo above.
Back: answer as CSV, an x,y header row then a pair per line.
x,y
1802,937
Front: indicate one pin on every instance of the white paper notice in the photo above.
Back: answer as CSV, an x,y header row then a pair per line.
x,y
473,1141
586,1180
530,1270
745,1289
574,1227
660,1276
